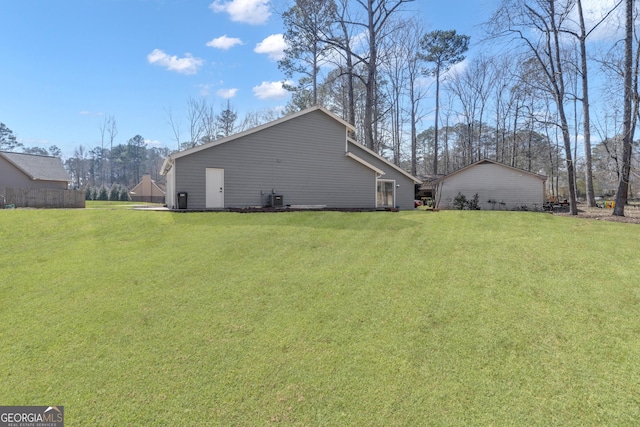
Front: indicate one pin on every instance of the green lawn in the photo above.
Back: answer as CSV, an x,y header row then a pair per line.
x,y
320,318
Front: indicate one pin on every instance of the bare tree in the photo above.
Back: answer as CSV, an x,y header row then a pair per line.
x,y
173,122
112,131
581,34
376,25
196,112
538,24
416,89
628,125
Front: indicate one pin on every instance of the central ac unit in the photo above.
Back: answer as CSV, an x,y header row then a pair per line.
x,y
276,200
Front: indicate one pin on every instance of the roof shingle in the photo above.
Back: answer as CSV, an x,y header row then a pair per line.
x,y
41,168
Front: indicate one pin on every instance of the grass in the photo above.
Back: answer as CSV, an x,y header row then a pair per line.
x,y
320,318
108,204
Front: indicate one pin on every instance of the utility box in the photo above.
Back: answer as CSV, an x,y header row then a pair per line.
x,y
182,200
276,200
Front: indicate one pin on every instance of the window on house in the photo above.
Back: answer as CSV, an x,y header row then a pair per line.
x,y
386,194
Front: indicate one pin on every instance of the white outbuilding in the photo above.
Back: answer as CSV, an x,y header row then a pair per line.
x,y
498,186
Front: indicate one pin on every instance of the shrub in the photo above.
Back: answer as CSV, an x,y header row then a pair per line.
x,y
124,194
474,204
460,201
89,193
103,194
114,193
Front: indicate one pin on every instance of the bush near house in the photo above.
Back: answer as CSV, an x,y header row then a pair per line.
x,y
460,202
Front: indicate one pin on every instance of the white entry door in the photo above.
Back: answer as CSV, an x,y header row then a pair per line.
x,y
215,188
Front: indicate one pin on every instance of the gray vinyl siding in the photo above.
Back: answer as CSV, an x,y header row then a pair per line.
x,y
405,187
510,188
303,159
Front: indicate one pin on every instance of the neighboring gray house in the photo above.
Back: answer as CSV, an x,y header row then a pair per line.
x,y
304,160
18,170
498,186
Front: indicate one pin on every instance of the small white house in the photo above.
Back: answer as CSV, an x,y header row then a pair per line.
x,y
499,187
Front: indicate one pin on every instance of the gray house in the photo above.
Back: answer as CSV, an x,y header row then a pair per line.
x,y
304,160
18,170
499,187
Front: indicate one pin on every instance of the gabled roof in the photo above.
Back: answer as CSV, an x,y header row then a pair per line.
x,y
168,162
146,179
487,161
38,168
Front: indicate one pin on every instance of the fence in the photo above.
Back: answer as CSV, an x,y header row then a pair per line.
x,y
42,198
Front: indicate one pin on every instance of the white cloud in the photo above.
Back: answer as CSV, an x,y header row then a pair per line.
x,y
227,93
205,89
271,90
153,143
186,65
274,46
224,42
248,11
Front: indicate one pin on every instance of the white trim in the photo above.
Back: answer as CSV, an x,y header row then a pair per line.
x,y
479,162
167,164
364,162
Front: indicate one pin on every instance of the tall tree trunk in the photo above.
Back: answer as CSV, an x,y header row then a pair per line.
x,y
435,133
627,137
557,81
591,199
370,83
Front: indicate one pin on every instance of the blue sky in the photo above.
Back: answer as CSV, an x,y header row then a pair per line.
x,y
67,64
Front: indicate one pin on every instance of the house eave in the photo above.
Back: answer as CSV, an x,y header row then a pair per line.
x,y
364,162
379,157
261,128
445,177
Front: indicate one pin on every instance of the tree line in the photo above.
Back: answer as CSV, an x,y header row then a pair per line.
x,y
108,165
526,102
111,166
528,105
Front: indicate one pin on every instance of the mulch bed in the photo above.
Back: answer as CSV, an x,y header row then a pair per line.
x,y
631,214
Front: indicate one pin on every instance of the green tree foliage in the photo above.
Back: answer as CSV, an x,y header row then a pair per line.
x,y
443,49
306,26
8,141
124,194
39,151
226,122
460,202
114,192
136,152
103,193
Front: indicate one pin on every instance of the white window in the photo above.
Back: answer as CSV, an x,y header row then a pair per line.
x,y
386,194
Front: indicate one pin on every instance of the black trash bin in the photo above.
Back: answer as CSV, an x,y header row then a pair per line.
x,y
182,200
